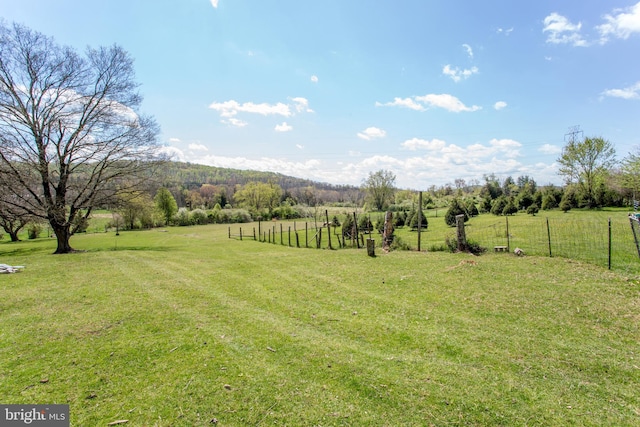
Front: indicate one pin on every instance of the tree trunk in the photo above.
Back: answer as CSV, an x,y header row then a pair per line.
x,y
14,236
63,235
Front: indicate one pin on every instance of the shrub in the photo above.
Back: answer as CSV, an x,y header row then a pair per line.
x,y
413,222
498,205
472,209
565,205
182,217
199,216
455,209
510,209
364,224
347,226
34,230
549,202
533,209
399,244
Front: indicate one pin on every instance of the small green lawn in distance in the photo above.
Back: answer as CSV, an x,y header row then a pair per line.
x,y
185,327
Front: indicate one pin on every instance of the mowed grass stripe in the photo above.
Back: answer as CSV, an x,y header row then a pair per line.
x,y
155,328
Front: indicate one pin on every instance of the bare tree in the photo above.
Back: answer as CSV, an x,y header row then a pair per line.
x,y
71,137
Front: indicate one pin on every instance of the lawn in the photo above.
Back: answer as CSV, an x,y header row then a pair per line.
x,y
186,327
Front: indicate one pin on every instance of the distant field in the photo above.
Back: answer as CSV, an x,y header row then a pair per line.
x,y
186,327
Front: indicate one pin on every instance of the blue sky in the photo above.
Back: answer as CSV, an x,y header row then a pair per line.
x,y
334,90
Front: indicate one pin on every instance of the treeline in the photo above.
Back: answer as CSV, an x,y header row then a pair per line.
x,y
195,185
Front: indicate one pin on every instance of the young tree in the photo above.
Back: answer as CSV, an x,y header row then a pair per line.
x,y
584,163
380,188
71,137
166,204
258,196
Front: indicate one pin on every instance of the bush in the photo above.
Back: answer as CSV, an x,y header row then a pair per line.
x,y
510,209
365,225
455,208
347,227
498,205
182,217
472,209
549,202
473,247
399,244
533,209
199,216
34,230
413,221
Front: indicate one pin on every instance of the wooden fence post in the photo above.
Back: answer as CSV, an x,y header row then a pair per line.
x,y
419,219
326,213
371,247
462,238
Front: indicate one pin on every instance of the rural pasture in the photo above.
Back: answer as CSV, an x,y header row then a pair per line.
x,y
183,326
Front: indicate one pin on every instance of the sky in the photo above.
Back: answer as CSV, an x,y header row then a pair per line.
x,y
334,90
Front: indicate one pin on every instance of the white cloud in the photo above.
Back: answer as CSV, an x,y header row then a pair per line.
x,y
406,103
231,108
621,23
419,103
423,144
284,127
372,133
314,79
468,49
500,105
457,74
197,147
214,3
234,122
174,140
300,147
561,31
446,101
504,31
173,153
508,147
631,92
301,105
550,149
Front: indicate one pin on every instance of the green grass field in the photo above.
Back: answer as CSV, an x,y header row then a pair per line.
x,y
186,327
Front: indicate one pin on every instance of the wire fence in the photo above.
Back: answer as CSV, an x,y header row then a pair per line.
x,y
606,242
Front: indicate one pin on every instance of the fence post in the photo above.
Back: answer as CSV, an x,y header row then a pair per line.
x,y
306,234
462,238
326,213
419,219
506,217
609,243
229,232
635,236
319,238
297,240
289,235
355,226
254,233
371,245
241,233
281,234
549,237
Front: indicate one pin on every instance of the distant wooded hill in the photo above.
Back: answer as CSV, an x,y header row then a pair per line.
x,y
180,177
